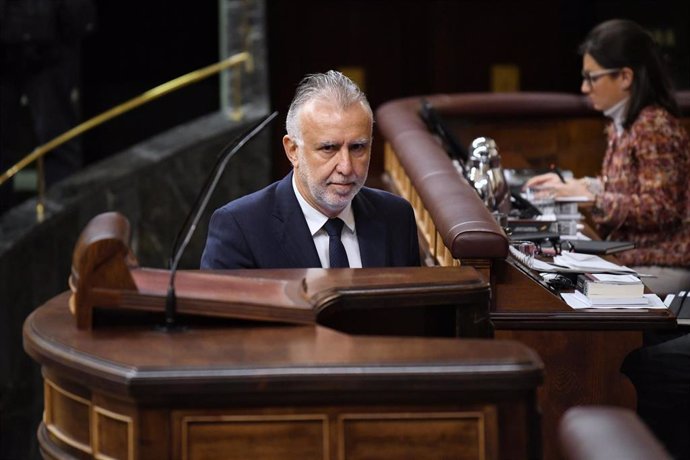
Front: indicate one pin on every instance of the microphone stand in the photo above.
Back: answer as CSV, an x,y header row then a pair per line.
x,y
197,211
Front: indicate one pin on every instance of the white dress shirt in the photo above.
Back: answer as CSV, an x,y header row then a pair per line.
x,y
315,220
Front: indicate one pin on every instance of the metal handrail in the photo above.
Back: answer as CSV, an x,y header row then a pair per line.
x,y
192,77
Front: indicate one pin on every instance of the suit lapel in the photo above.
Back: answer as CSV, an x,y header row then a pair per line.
x,y
291,228
371,233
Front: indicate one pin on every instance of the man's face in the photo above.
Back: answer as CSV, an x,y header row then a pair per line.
x,y
332,163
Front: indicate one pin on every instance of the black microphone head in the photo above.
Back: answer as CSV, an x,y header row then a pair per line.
x,y
436,125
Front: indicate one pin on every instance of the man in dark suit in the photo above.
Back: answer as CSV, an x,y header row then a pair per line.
x,y
328,141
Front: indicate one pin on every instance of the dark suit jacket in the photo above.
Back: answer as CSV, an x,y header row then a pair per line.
x,y
267,229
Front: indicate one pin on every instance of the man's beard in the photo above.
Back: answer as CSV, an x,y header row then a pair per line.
x,y
324,197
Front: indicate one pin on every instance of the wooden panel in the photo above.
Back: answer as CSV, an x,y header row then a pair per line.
x,y
67,416
255,436
154,433
576,144
582,368
536,142
113,434
582,144
256,400
458,435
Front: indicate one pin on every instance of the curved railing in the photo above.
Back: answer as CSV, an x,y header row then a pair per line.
x,y
161,90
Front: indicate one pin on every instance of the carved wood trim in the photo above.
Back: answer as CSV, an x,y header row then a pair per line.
x,y
482,418
49,416
99,412
188,420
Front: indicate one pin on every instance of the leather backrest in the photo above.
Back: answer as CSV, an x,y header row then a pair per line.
x,y
603,433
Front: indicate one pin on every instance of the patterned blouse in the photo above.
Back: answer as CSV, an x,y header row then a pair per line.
x,y
646,190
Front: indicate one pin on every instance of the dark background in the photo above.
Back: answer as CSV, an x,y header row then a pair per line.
x,y
140,45
405,48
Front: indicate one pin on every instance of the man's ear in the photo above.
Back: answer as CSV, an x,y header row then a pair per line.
x,y
290,147
627,75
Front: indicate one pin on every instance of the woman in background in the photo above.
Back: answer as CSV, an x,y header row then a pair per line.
x,y
642,194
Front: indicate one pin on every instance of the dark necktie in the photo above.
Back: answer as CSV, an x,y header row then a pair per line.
x,y
336,250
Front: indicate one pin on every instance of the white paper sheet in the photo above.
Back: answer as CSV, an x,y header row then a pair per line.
x,y
576,302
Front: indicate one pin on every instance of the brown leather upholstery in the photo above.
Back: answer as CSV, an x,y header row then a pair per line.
x,y
499,104
510,104
605,433
466,226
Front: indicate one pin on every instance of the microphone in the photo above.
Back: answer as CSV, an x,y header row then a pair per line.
x,y
197,210
435,124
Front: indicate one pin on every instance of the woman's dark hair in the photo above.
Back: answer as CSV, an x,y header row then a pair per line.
x,y
622,43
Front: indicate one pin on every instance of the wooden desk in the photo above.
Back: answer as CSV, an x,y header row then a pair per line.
x,y
582,350
421,301
268,391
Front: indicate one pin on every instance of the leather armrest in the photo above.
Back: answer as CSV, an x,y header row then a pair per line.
x,y
461,218
604,433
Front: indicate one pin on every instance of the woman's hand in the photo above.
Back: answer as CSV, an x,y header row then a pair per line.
x,y
547,180
550,184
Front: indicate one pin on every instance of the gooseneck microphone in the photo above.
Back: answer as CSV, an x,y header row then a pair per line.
x,y
198,208
436,125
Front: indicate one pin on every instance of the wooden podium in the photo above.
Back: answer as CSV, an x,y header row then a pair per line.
x,y
240,381
424,301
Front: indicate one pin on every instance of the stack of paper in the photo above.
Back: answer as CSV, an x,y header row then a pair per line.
x,y
577,300
589,263
571,263
599,300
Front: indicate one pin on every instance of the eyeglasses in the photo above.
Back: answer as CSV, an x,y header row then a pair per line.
x,y
592,77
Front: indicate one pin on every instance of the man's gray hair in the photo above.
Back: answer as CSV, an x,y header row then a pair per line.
x,y
332,86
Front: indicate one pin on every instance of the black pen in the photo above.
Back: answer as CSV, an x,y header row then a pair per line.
x,y
558,173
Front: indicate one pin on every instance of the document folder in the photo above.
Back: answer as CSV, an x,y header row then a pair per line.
x,y
598,247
